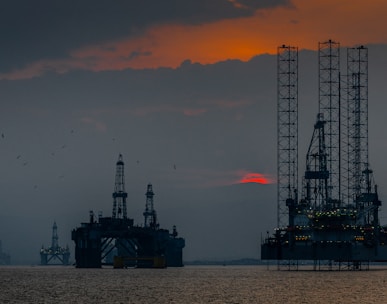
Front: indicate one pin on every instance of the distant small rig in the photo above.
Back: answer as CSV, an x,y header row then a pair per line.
x,y
54,255
334,221
116,241
5,259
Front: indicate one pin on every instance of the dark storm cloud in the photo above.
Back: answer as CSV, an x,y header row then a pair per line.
x,y
44,29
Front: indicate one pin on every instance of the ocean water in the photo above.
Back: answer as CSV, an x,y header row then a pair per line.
x,y
191,284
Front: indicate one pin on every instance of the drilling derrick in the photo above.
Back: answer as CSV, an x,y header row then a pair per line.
x,y
54,240
150,217
287,131
119,194
316,174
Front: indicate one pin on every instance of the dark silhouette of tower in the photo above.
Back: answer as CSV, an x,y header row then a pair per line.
x,y
330,107
287,131
119,194
54,241
150,217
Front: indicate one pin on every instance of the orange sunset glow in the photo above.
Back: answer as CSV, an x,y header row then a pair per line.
x,y
303,23
257,178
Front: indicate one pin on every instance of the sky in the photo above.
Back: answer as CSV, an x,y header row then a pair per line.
x,y
185,90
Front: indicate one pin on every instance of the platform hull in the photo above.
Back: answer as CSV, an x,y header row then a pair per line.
x,y
345,251
98,244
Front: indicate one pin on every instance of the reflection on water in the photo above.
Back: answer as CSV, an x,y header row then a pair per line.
x,y
190,284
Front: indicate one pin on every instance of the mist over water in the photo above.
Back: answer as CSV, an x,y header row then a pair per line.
x,y
190,284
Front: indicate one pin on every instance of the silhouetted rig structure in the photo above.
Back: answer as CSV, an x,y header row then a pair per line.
x,y
336,221
117,241
5,259
54,255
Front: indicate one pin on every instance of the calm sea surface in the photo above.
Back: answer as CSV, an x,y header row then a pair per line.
x,y
191,284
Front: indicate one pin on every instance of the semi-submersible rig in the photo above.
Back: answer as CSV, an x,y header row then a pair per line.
x,y
117,241
335,220
54,254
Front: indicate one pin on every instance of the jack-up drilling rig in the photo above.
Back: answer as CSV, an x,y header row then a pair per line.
x,y
336,220
117,241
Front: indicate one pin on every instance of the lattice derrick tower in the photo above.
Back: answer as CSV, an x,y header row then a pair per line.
x,y
54,239
150,216
119,194
357,122
329,108
287,131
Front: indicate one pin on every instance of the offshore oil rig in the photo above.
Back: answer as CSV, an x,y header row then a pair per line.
x,y
117,241
55,254
334,220
5,259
